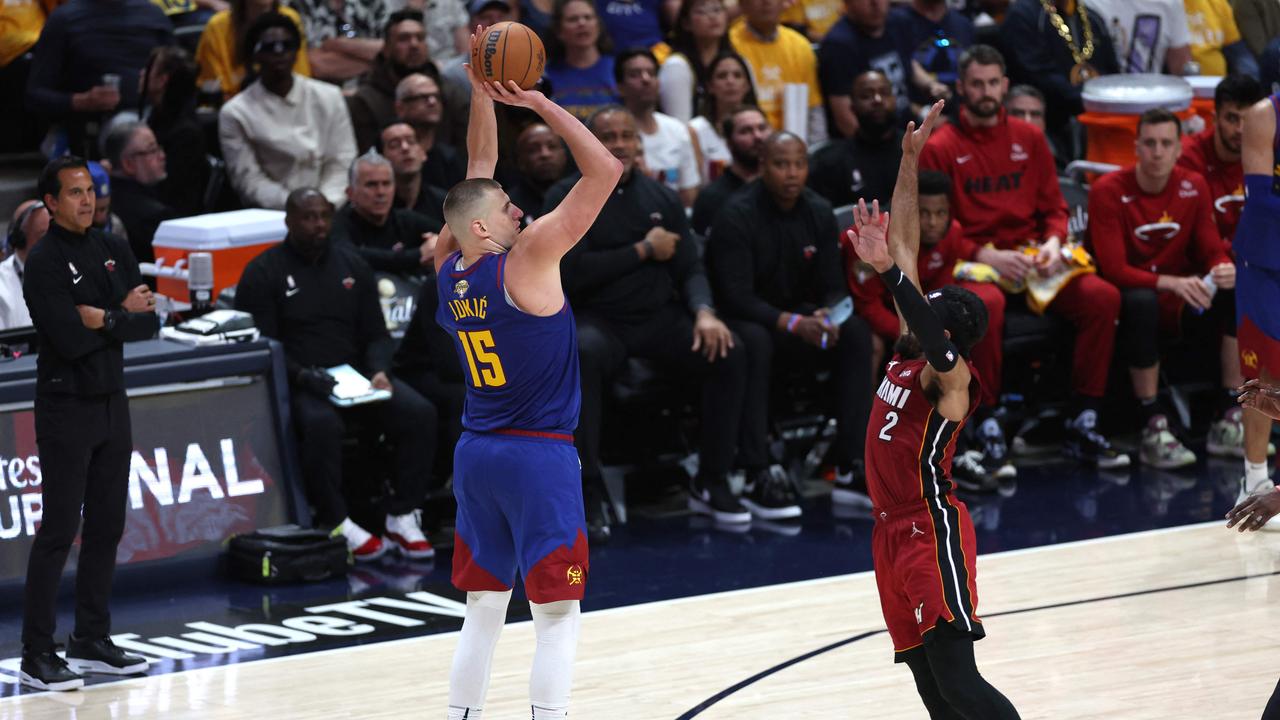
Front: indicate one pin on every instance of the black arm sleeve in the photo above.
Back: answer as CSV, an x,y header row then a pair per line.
x,y
922,321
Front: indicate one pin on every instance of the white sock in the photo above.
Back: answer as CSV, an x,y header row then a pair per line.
x,y
556,625
1256,474
469,678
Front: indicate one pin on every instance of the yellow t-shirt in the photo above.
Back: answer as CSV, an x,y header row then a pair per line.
x,y
20,24
216,52
787,59
1213,26
817,15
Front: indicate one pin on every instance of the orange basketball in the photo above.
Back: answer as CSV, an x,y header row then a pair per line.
x,y
509,51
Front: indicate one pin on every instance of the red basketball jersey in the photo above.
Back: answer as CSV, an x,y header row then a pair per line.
x,y
909,444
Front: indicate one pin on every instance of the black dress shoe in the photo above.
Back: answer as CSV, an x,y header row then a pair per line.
x,y
102,656
46,671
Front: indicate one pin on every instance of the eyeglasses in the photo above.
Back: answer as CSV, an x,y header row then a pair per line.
x,y
429,98
274,47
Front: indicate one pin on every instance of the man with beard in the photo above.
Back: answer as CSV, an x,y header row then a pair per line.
x,y
320,300
137,161
1215,151
1006,197
412,190
746,130
541,162
865,165
404,52
420,103
667,142
390,239
775,264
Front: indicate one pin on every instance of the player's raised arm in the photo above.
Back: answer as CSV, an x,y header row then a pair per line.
x,y
553,234
904,231
482,151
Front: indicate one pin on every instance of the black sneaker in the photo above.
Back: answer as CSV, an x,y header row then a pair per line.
x,y
714,498
47,671
969,473
995,451
769,495
102,656
1086,444
850,487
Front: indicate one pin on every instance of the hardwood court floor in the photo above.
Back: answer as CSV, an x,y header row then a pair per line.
x,y
1181,623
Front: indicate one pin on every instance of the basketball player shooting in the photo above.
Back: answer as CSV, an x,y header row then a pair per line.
x,y
923,542
517,478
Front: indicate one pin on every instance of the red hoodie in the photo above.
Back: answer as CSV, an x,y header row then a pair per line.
x,y
936,265
1004,184
1226,180
1137,236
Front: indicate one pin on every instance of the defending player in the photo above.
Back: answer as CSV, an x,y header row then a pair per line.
x,y
516,477
923,543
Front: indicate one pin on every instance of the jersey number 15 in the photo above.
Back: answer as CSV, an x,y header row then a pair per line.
x,y
482,360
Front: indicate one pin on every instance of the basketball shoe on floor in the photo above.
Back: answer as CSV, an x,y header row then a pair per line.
x,y
969,473
995,451
850,487
712,497
1226,435
1085,443
102,656
769,494
404,533
360,543
1161,449
47,671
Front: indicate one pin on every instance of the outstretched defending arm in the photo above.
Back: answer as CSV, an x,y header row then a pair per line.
x,y
904,231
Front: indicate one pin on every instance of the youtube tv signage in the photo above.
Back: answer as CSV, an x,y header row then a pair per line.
x,y
205,465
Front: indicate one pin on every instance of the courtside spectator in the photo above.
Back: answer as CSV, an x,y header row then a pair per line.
x,y
320,301
87,62
939,35
388,238
169,106
103,218
412,190
1150,36
779,57
745,133
420,101
448,31
1027,104
728,89
285,130
137,169
639,290
1006,197
812,18
669,155
20,24
343,38
632,23
1215,151
579,59
866,38
942,245
775,263
700,35
29,223
221,51
1041,56
865,165
1216,44
1258,22
405,53
541,162
1153,231
539,15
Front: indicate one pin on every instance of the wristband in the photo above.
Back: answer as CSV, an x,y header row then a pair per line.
x,y
791,324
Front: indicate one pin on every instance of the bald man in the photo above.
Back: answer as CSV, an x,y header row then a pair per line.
x,y
30,222
775,265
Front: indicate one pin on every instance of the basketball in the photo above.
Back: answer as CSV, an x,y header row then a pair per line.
x,y
509,51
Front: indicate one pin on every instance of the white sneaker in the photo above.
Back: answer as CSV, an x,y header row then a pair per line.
x,y
1160,449
1226,435
362,545
405,533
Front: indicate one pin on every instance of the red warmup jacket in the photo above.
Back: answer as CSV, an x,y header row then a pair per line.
x,y
1226,180
1004,183
873,301
1137,236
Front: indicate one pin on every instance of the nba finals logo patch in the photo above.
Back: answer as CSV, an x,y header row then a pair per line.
x,y
461,287
348,282
575,574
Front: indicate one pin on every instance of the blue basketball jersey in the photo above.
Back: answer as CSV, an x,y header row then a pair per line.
x,y
1257,239
521,370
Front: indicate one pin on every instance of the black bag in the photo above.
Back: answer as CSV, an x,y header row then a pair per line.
x,y
287,554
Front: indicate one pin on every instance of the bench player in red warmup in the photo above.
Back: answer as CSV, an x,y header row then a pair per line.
x,y
923,544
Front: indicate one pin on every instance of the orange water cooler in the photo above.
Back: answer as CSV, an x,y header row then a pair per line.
x,y
1113,103
233,238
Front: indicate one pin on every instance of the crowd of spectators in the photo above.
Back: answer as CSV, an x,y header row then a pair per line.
x,y
743,127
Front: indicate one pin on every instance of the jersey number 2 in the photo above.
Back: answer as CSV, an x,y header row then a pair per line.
x,y
890,419
485,366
